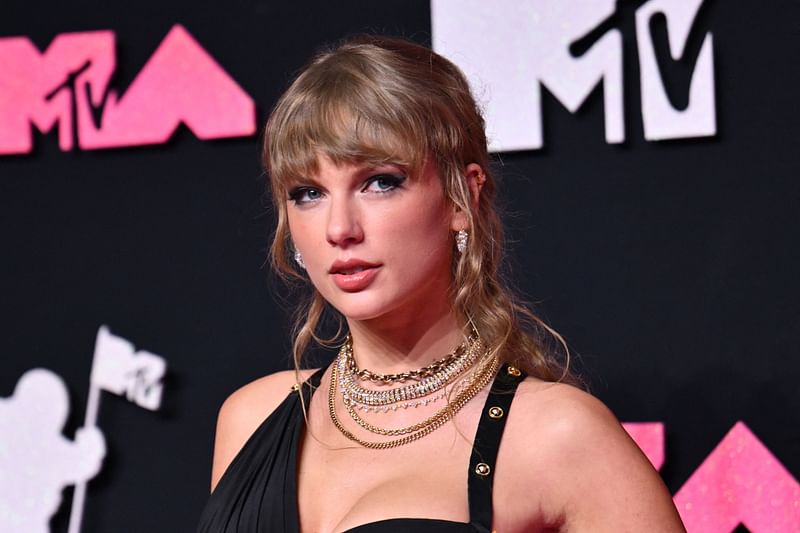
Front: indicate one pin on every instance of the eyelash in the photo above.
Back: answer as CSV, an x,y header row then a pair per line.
x,y
394,181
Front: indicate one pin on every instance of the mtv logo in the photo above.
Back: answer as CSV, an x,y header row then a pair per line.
x,y
67,86
514,48
119,369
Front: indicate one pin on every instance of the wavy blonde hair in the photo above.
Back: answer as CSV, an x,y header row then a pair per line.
x,y
387,100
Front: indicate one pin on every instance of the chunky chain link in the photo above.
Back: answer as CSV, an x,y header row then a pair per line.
x,y
417,431
464,359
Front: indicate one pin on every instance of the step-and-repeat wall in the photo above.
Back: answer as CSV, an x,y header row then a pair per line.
x,y
648,157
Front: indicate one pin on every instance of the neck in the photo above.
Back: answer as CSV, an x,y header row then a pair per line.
x,y
389,346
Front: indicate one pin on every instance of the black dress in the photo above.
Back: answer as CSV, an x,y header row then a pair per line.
x,y
258,492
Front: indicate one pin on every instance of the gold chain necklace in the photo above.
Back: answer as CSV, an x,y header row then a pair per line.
x,y
431,424
419,389
416,374
412,404
481,374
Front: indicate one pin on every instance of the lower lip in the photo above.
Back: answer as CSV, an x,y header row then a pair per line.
x,y
358,281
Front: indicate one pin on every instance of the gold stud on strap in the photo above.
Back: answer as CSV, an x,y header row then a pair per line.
x,y
295,387
513,371
496,412
482,469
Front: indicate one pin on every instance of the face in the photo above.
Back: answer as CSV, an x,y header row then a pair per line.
x,y
376,242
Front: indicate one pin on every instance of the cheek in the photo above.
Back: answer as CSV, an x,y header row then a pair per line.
x,y
417,233
300,232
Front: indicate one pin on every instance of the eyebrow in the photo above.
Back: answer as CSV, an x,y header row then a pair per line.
x,y
298,181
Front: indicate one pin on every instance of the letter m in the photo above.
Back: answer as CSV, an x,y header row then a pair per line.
x,y
36,88
510,49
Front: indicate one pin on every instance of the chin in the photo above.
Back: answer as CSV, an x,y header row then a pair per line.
x,y
360,312
359,306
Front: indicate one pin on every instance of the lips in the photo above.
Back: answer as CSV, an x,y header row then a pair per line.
x,y
353,275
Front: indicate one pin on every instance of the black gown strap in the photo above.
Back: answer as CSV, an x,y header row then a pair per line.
x,y
314,380
310,385
487,441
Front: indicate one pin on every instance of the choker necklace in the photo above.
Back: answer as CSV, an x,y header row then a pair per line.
x,y
473,384
486,369
416,374
440,395
350,388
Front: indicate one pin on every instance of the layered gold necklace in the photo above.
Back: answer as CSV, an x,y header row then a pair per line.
x,y
428,381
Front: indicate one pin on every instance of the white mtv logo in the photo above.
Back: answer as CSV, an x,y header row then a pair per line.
x,y
511,48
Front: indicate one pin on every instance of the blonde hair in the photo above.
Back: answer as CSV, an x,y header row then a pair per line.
x,y
387,100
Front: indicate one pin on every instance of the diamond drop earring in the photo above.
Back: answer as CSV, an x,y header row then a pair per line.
x,y
461,240
298,258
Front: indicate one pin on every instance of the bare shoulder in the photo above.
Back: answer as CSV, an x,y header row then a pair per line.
x,y
245,410
587,469
564,413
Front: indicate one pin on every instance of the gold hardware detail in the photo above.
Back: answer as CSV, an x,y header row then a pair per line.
x,y
482,469
496,412
513,371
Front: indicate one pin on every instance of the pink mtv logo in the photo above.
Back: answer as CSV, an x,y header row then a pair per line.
x,y
68,85
740,482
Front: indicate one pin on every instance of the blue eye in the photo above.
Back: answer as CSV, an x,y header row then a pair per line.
x,y
304,195
383,183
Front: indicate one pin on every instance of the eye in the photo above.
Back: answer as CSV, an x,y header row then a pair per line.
x,y
383,183
304,195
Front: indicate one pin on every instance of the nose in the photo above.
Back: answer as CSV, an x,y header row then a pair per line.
x,y
344,227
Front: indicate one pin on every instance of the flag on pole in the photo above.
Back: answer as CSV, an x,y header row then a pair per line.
x,y
120,369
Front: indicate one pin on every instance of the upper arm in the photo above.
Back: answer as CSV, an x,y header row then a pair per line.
x,y
598,476
242,413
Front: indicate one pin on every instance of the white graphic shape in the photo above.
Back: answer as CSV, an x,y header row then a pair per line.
x,y
118,368
661,120
36,460
511,48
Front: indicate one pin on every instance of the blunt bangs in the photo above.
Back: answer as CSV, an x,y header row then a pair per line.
x,y
336,111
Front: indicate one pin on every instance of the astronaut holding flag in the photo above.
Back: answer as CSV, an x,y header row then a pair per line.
x,y
37,460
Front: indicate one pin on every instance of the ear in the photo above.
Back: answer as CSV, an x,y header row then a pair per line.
x,y
475,177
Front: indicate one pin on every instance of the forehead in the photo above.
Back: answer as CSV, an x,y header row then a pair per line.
x,y
333,128
324,165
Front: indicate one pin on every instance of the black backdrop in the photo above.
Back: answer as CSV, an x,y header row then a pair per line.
x,y
670,267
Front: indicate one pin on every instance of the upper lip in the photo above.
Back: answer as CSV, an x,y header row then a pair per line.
x,y
350,265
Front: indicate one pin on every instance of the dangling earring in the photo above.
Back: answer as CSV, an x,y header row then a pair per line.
x,y
298,258
461,240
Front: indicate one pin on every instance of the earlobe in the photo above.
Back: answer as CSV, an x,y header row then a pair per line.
x,y
475,177
459,221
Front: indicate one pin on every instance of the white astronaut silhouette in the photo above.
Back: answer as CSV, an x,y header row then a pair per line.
x,y
36,460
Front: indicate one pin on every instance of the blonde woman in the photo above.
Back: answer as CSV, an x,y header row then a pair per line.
x,y
445,410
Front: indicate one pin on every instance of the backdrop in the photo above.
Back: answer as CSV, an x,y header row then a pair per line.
x,y
648,160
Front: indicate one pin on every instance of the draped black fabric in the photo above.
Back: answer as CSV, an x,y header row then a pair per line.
x,y
258,492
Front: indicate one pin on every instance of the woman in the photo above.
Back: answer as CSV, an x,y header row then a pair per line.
x,y
382,184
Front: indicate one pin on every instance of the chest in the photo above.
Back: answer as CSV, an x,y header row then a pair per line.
x,y
341,484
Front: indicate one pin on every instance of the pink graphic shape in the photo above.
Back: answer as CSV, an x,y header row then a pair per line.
x,y
649,436
181,83
27,77
740,482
